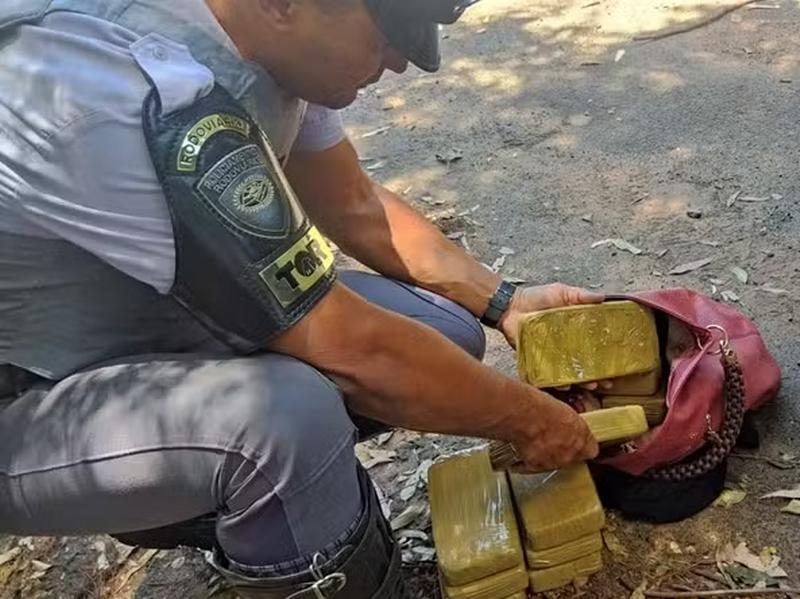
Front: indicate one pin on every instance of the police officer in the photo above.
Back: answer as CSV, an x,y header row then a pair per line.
x,y
181,362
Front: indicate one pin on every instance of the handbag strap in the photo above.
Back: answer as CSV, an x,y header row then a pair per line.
x,y
722,442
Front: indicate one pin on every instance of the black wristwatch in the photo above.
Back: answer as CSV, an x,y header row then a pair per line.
x,y
499,304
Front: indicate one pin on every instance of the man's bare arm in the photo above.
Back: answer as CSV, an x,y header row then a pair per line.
x,y
403,373
378,228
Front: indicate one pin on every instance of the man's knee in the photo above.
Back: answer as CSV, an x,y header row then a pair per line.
x,y
450,319
461,327
290,458
286,418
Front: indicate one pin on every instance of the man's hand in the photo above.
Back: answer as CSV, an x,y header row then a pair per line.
x,y
554,437
544,297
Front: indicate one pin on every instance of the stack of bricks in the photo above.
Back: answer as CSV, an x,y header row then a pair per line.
x,y
561,520
475,530
500,535
615,341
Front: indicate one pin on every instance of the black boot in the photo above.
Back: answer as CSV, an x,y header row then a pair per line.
x,y
366,566
199,533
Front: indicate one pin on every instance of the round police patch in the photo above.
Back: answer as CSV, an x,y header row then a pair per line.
x,y
243,189
254,194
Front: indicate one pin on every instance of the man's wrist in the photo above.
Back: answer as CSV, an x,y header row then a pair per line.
x,y
499,304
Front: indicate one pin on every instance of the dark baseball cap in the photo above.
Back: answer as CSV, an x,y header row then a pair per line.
x,y
412,26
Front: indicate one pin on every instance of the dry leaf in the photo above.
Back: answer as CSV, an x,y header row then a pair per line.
x,y
773,290
784,494
386,508
425,554
732,199
613,544
638,593
377,131
767,562
422,470
428,199
450,156
618,243
507,251
498,264
370,458
178,563
516,280
40,566
662,253
9,556
793,507
587,218
409,515
375,166
682,269
730,296
740,274
412,533
619,55
410,488
730,497
384,438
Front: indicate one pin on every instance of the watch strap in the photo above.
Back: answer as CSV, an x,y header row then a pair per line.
x,y
498,304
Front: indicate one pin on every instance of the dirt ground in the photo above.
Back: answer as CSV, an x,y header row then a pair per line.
x,y
570,132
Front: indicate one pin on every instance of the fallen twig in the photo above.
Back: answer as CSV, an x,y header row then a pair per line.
x,y
693,26
708,575
722,593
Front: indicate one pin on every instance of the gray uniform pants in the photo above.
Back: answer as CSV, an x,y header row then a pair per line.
x,y
264,441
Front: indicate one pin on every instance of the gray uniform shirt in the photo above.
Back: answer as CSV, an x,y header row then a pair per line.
x,y
74,163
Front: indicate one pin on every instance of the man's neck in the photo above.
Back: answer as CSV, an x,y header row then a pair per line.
x,y
228,15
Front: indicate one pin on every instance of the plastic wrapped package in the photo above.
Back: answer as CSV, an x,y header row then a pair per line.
x,y
578,344
568,552
499,586
617,424
558,507
654,406
637,385
607,426
474,527
559,576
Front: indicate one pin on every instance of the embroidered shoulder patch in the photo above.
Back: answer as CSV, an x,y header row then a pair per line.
x,y
299,268
247,193
203,131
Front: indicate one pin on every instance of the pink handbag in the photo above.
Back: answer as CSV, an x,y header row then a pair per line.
x,y
719,368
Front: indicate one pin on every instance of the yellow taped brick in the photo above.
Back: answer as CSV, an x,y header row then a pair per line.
x,y
558,507
553,578
568,552
617,424
500,586
578,344
474,525
637,385
654,406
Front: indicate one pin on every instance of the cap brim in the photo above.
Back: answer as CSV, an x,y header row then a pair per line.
x,y
417,40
